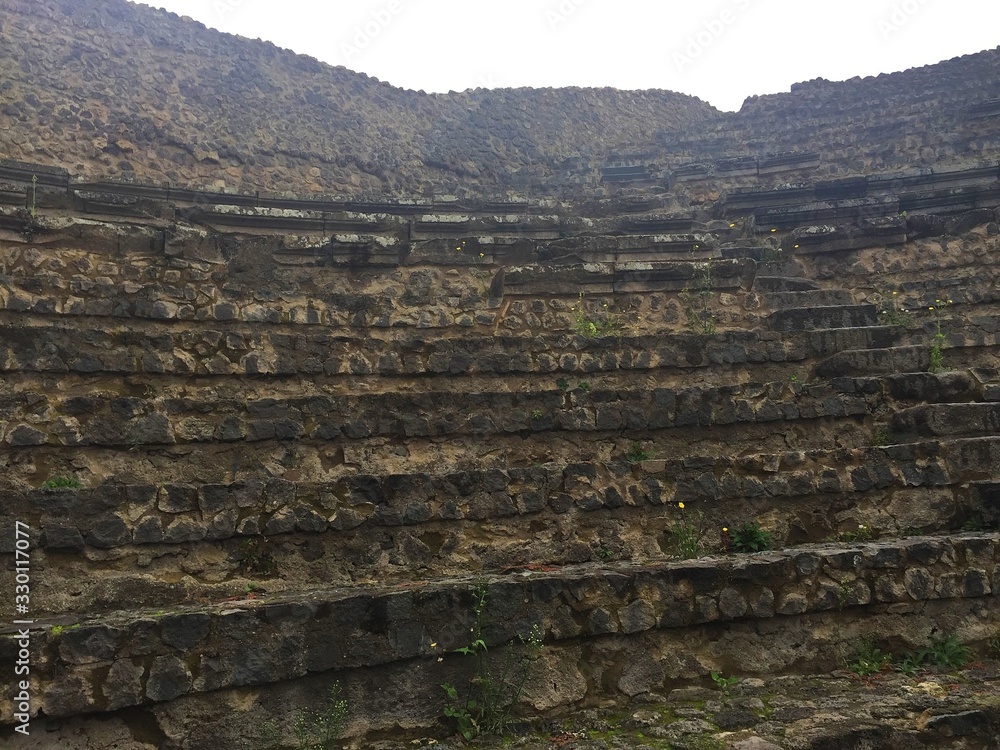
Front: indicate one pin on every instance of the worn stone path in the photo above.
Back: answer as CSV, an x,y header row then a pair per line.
x,y
834,711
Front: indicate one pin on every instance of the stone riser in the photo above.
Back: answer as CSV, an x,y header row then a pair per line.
x,y
184,513
332,461
241,349
187,570
122,660
408,696
97,420
239,413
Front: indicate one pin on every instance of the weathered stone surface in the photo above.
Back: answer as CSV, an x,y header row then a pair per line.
x,y
168,678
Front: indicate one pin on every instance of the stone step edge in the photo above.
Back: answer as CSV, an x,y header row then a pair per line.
x,y
189,513
165,420
155,653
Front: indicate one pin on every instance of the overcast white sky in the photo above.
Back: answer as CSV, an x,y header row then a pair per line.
x,y
719,50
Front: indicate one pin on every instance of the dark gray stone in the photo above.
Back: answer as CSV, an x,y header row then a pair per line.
x,y
184,631
184,530
26,435
169,678
108,533
214,498
56,536
148,530
178,498
87,645
965,724
123,686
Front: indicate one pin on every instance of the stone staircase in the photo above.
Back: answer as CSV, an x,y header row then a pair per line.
x,y
295,442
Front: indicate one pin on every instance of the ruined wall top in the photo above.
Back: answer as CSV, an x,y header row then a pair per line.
x,y
113,90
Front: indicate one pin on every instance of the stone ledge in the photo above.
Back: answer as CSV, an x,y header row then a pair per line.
x,y
241,350
130,421
119,516
162,656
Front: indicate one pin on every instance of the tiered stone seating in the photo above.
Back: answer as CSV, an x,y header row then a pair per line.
x,y
305,433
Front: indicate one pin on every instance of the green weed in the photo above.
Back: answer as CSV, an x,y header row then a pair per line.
x,y
881,438
636,454
948,652
684,536
750,537
62,483
863,534
594,325
318,730
937,348
912,662
494,690
723,683
696,302
869,659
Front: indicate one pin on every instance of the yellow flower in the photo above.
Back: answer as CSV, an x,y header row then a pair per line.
x,y
796,247
894,294
680,505
931,307
731,226
774,230
949,302
725,528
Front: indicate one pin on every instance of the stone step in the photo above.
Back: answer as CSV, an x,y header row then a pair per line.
x,y
115,515
948,420
244,414
102,420
813,318
875,361
811,298
786,711
132,657
784,284
243,349
258,531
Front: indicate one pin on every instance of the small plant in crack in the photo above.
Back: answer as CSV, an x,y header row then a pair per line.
x,y
637,454
869,659
495,686
316,730
594,325
256,558
936,363
696,302
684,535
722,682
62,483
947,651
750,537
